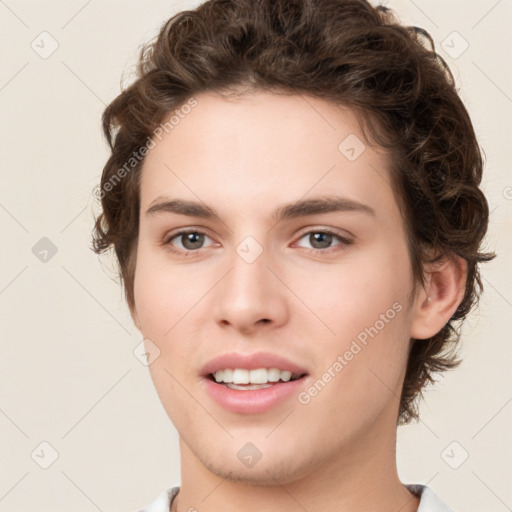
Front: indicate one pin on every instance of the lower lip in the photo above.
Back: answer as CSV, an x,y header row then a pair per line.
x,y
253,401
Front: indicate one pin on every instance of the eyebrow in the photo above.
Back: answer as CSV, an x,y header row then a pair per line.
x,y
296,209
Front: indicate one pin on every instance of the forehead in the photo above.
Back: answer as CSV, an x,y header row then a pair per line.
x,y
235,152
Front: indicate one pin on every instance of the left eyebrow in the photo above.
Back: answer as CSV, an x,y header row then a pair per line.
x,y
315,206
296,209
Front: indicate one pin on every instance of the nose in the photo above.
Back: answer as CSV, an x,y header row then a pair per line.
x,y
251,297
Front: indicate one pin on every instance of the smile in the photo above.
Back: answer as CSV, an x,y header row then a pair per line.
x,y
259,378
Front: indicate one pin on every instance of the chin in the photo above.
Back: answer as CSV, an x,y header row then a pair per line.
x,y
268,471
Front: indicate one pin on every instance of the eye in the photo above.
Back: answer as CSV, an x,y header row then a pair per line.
x,y
189,240
322,239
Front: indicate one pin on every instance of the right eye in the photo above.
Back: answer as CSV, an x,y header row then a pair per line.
x,y
190,240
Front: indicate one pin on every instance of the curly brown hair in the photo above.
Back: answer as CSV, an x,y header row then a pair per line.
x,y
346,52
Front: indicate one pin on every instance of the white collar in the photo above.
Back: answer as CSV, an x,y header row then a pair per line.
x,y
429,500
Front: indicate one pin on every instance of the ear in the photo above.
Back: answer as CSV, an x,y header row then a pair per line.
x,y
437,301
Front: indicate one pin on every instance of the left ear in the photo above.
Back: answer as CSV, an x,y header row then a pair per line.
x,y
438,300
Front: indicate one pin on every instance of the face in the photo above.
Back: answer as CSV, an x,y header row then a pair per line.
x,y
322,289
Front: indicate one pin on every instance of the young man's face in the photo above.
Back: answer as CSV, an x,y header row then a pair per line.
x,y
248,284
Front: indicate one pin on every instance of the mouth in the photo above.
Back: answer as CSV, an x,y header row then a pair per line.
x,y
242,379
252,383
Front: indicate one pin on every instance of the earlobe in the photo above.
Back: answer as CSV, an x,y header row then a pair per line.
x,y
437,302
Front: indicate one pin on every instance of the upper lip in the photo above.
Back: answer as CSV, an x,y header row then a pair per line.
x,y
251,362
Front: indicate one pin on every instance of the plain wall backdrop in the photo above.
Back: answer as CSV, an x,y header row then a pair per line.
x,y
81,425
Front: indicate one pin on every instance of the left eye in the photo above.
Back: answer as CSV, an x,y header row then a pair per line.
x,y
323,239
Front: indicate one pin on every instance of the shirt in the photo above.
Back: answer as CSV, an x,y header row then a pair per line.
x,y
429,500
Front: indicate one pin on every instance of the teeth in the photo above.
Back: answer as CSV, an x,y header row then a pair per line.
x,y
240,376
273,374
286,376
258,376
248,387
228,375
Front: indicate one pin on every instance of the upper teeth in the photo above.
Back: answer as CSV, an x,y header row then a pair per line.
x,y
258,376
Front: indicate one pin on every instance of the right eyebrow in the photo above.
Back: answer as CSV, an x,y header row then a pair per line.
x,y
183,207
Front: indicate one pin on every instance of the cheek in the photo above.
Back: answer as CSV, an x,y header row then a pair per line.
x,y
365,319
163,298
348,297
163,294
170,307
361,368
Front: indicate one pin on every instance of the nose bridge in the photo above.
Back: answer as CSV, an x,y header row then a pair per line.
x,y
249,277
249,291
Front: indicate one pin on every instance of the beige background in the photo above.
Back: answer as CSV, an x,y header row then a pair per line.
x,y
68,376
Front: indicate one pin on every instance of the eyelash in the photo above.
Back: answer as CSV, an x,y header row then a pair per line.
x,y
344,242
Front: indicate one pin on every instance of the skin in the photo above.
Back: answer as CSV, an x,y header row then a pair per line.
x,y
337,453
